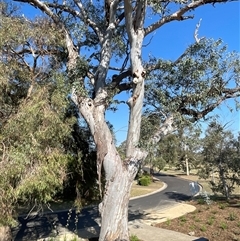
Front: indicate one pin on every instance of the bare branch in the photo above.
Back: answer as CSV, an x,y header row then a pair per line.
x,y
178,15
128,18
92,24
22,58
91,77
166,128
145,45
120,18
196,32
228,93
72,53
139,14
124,87
118,78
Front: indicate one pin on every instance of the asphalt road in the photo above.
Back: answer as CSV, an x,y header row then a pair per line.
x,y
177,190
41,226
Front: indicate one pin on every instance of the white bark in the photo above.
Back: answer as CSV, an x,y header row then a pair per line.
x,y
135,32
5,233
186,160
187,166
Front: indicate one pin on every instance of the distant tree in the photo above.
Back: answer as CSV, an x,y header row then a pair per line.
x,y
221,159
190,147
180,148
165,152
104,40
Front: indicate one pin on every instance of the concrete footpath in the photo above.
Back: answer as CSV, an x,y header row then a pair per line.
x,y
144,230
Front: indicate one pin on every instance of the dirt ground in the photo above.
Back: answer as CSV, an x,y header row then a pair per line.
x,y
219,221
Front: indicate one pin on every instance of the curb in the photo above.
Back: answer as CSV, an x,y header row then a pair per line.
x,y
148,194
66,210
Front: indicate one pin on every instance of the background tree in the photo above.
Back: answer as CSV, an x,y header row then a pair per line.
x,y
221,159
42,146
190,146
113,30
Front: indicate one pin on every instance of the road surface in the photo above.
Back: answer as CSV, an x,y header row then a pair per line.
x,y
42,226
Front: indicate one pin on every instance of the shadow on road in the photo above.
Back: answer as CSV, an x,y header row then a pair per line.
x,y
178,197
160,174
85,224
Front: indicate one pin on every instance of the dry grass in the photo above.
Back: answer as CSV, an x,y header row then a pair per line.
x,y
138,190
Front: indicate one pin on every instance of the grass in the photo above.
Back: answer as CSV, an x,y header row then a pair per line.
x,y
138,190
223,225
134,238
203,228
232,216
210,221
63,238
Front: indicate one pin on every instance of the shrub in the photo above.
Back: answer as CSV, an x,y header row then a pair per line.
x,y
232,217
210,221
223,226
183,219
144,180
203,228
134,238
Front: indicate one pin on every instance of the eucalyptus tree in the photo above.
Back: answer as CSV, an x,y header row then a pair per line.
x,y
95,34
221,159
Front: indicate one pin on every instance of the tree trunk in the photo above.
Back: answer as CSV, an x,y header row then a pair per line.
x,y
114,208
223,180
5,233
119,174
187,166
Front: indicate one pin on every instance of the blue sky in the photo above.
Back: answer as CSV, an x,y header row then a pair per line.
x,y
170,41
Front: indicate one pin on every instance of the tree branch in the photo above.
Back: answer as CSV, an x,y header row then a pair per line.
x,y
72,53
196,32
139,14
197,115
128,18
87,20
178,15
166,128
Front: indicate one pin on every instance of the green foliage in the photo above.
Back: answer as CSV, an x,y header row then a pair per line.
x,y
189,86
221,159
223,226
183,219
42,147
210,221
144,180
232,216
203,228
222,206
34,160
134,238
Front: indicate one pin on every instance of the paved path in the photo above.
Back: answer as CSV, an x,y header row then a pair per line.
x,y
177,190
42,226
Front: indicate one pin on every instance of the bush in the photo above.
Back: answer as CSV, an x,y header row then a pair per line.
x,y
144,180
134,238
